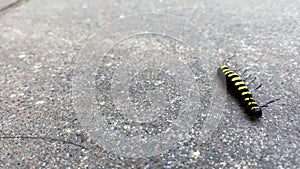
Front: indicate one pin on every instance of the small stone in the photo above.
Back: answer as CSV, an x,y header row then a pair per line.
x,y
195,154
40,102
22,56
89,140
21,108
37,66
12,95
7,132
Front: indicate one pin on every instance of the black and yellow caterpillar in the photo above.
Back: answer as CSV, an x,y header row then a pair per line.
x,y
237,87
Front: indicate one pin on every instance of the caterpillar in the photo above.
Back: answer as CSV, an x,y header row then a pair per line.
x,y
237,87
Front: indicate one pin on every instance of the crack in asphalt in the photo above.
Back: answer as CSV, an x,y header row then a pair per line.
x,y
44,138
12,6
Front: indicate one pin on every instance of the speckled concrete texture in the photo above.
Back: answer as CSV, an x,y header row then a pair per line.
x,y
41,43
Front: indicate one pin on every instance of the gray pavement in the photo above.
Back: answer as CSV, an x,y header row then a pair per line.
x,y
132,84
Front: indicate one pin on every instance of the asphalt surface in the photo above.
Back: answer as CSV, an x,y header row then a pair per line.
x,y
102,84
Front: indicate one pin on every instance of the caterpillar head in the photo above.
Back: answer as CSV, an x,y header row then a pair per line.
x,y
256,112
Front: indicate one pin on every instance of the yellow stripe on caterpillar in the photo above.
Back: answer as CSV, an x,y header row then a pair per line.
x,y
242,87
232,74
239,83
244,93
236,78
228,72
255,107
248,98
224,67
225,70
252,103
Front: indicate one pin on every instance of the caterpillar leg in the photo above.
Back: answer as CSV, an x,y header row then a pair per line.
x,y
244,72
258,87
272,101
248,77
252,81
